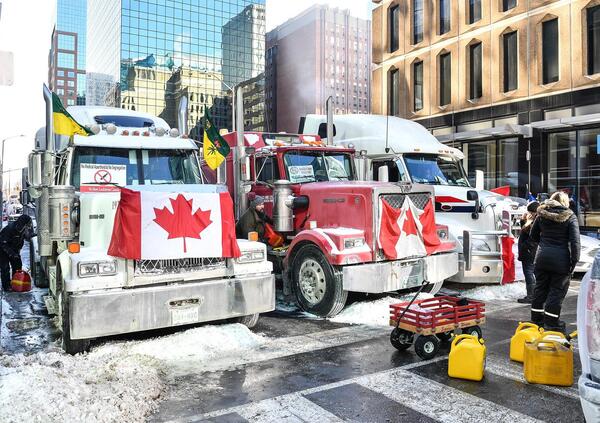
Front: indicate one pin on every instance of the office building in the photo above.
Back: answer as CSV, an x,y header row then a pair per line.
x,y
513,84
67,58
145,55
320,53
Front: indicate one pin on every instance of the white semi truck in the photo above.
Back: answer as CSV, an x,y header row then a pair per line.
x,y
399,150
96,295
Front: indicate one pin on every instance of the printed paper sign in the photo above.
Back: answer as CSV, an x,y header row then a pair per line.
x,y
301,173
101,177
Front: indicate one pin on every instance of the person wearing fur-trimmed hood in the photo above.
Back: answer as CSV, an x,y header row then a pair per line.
x,y
557,232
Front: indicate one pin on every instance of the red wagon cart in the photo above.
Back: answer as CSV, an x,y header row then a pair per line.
x,y
432,321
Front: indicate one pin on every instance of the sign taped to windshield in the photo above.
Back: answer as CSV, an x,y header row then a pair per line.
x,y
301,173
102,177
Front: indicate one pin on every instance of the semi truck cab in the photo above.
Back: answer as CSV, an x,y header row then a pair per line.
x,y
76,185
330,221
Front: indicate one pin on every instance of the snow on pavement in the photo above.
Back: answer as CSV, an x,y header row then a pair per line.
x,y
511,291
117,381
374,313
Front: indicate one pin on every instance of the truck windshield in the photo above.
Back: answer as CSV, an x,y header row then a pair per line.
x,y
435,170
314,166
93,166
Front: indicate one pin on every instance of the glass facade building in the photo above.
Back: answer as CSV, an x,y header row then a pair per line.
x,y
67,59
147,55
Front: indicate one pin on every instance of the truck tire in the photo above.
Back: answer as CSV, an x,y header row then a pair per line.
x,y
70,346
248,321
316,288
35,268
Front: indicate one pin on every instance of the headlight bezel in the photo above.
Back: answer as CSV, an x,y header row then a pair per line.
x,y
102,268
251,256
353,242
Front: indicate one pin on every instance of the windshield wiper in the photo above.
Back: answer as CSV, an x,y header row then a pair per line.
x,y
100,183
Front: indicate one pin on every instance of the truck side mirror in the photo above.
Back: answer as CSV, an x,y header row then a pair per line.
x,y
479,180
34,169
323,130
383,174
472,195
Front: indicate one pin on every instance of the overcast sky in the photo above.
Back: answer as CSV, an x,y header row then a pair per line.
x,y
28,34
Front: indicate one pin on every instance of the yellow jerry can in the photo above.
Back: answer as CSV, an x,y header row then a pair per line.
x,y
525,332
549,360
467,358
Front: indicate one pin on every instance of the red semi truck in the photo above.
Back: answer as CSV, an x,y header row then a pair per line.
x,y
329,219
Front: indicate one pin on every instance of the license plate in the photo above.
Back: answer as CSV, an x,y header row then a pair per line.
x,y
185,315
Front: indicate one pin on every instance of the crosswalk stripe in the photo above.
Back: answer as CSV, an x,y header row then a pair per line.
x,y
514,371
438,401
290,409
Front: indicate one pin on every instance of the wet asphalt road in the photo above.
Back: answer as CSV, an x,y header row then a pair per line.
x,y
337,372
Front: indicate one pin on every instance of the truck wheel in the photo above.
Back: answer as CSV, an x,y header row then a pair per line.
x,y
70,346
35,268
316,288
427,346
401,339
473,330
248,321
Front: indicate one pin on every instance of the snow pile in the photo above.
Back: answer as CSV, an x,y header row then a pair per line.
x,y
374,313
511,291
118,381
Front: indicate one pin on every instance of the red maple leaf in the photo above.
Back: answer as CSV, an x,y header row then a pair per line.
x,y
409,227
182,223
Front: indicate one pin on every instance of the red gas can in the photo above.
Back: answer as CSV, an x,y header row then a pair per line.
x,y
21,281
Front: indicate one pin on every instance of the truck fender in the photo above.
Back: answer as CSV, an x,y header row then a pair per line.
x,y
63,265
309,236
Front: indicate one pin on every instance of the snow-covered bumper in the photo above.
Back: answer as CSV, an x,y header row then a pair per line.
x,y
589,394
111,312
389,276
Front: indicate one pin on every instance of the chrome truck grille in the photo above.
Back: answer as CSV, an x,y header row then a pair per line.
x,y
395,200
154,267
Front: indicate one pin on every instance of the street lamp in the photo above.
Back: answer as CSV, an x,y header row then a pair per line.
x,y
2,177
232,89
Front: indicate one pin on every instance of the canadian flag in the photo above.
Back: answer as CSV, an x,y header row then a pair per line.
x,y
407,232
151,224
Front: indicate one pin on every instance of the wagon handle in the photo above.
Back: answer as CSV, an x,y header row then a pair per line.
x,y
423,285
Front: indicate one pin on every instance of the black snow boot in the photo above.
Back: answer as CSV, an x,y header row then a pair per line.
x,y
553,324
537,318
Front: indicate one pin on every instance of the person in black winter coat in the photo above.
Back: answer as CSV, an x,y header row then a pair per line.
x,y
557,232
527,250
12,238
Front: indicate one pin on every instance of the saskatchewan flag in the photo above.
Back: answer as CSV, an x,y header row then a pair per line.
x,y
64,124
215,148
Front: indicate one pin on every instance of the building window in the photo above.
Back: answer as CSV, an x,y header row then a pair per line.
x,y
509,42
474,11
475,88
418,85
394,106
417,21
394,22
508,4
444,16
550,51
445,75
593,39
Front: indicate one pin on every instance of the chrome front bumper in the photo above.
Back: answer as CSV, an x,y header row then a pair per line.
x,y
390,276
116,311
483,270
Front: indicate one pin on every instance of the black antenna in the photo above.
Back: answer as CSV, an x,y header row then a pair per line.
x,y
387,119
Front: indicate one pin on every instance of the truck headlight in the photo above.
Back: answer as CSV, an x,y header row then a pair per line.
x,y
252,256
97,268
354,242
